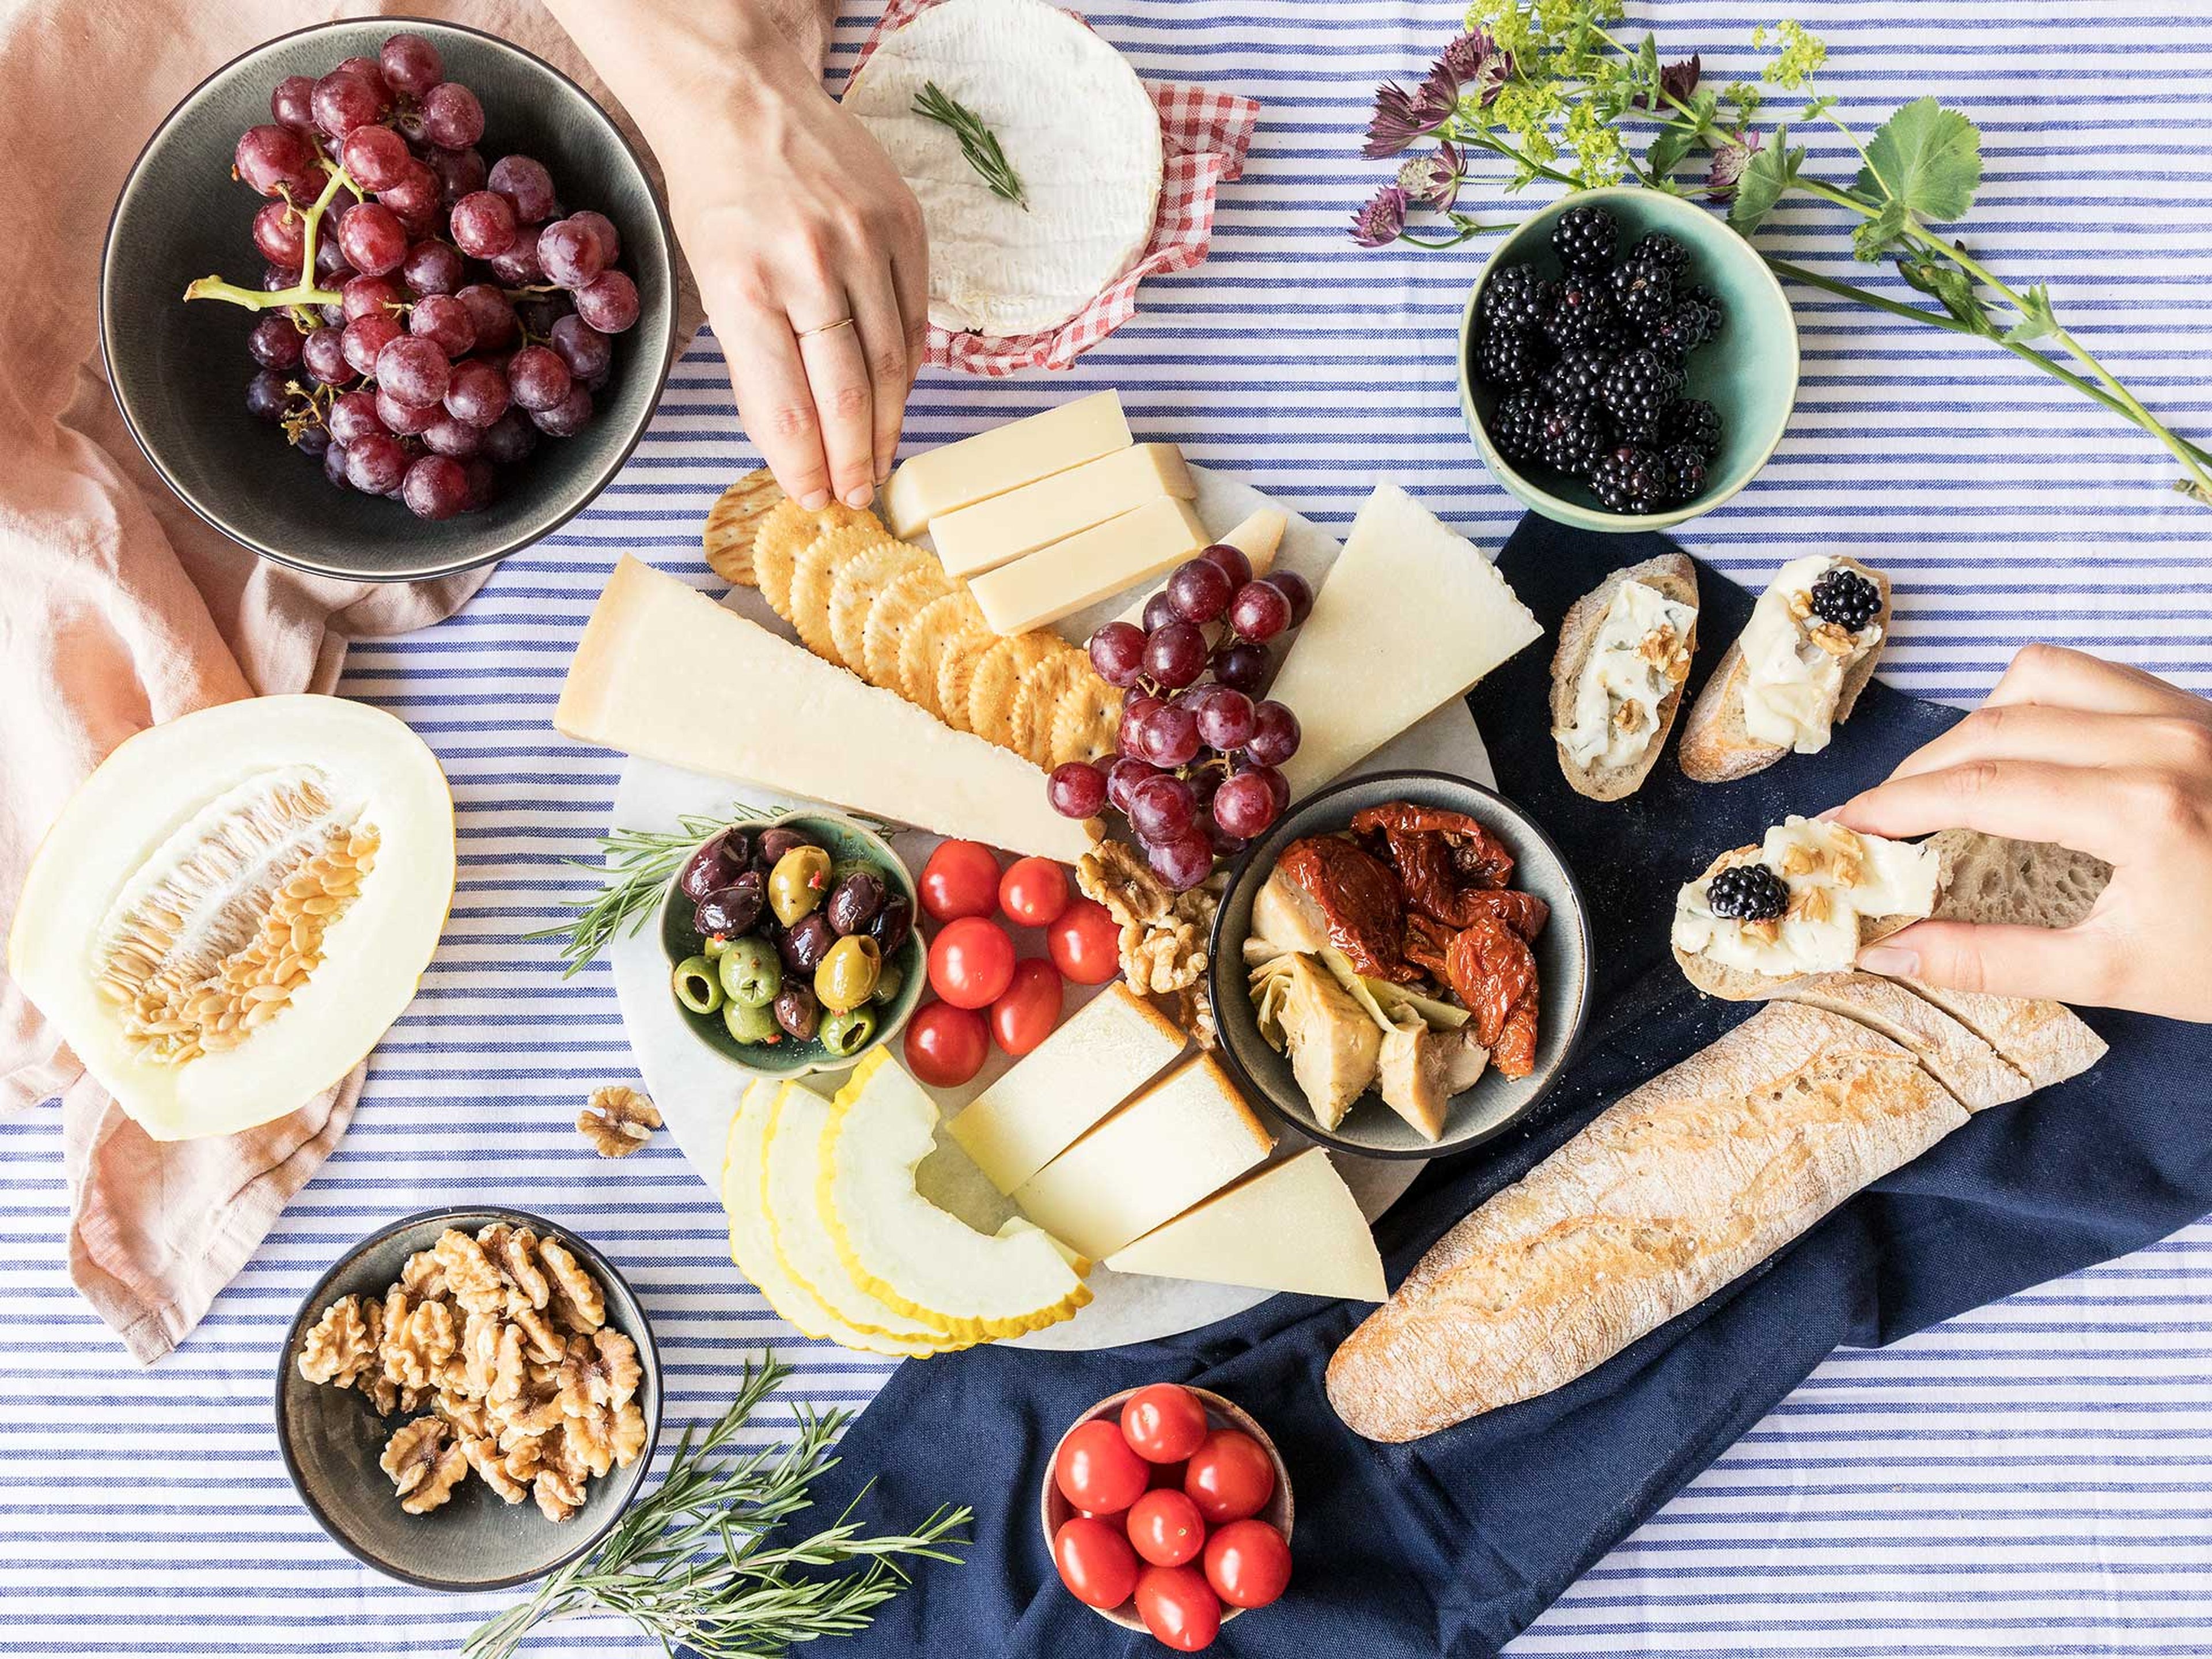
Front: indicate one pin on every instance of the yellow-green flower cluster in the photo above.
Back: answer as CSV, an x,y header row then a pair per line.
x,y
1798,54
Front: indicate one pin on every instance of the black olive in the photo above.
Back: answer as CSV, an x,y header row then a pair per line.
x,y
773,844
806,942
855,901
733,909
716,863
892,922
796,1012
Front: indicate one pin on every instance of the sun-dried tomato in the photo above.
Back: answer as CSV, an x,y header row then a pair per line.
x,y
1358,898
1515,1054
1443,858
1524,913
1428,942
1490,969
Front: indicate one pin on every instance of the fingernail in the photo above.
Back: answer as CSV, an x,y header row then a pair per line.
x,y
814,501
859,495
1892,959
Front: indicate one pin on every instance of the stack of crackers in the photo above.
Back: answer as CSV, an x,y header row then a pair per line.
x,y
886,609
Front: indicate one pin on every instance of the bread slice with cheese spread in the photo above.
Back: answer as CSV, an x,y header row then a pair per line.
x,y
1589,625
1717,748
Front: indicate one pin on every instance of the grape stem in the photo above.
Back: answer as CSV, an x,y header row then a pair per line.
x,y
303,292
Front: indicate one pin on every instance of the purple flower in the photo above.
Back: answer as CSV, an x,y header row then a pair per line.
x,y
1728,162
1477,66
1676,81
1433,181
1383,220
1401,116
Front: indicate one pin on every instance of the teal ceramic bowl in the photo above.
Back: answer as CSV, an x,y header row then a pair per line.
x,y
1749,373
849,845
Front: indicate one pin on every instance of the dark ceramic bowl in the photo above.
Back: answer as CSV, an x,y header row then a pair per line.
x,y
180,370
1563,971
332,1438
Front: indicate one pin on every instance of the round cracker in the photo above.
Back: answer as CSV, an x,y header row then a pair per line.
x,y
998,676
932,628
1087,723
785,533
854,590
895,607
956,673
733,522
813,576
1036,699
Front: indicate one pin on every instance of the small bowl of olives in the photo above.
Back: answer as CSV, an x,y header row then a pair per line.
x,y
790,942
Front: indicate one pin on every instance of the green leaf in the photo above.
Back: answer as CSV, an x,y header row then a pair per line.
x,y
2036,320
1647,62
1705,104
1871,238
1928,159
1667,150
1772,169
1952,290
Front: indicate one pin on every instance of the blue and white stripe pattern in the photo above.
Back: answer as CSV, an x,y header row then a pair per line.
x,y
2029,1479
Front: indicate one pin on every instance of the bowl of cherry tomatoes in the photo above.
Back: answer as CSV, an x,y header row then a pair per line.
x,y
1004,945
1167,1508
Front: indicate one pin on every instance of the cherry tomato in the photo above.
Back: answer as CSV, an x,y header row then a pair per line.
x,y
1165,1423
1026,1015
1247,1563
1084,943
1034,891
1095,1470
1178,1606
945,1046
971,961
960,879
1095,1561
1230,1476
1165,1528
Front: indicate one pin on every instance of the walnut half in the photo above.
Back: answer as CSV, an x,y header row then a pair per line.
x,y
618,1120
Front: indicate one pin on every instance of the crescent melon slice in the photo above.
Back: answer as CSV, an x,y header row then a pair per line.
x,y
907,1252
753,1248
235,906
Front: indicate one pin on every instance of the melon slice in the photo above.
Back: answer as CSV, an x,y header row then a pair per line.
x,y
924,1262
232,911
753,1248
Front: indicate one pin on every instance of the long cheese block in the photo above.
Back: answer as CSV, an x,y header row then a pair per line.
x,y
1043,586
1005,458
1258,537
1293,1226
1410,618
1187,1135
973,539
1105,1052
789,720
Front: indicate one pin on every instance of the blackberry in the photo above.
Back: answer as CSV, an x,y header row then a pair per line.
x,y
1746,892
1581,314
1845,599
1693,420
1662,249
1714,315
1584,238
1643,293
1686,472
1630,479
1517,297
1574,435
1516,425
1508,357
1579,375
1681,331
1637,392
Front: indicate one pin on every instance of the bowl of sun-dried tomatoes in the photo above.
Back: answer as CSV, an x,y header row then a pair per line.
x,y
1400,967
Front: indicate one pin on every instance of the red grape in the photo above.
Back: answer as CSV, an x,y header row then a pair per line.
x,y
334,466
265,396
1199,591
353,417
1183,862
276,277
1174,654
459,172
1161,807
1076,790
1241,664
1258,612
451,117
483,482
280,232
436,488
433,268
415,200
603,227
566,418
446,435
410,63
376,156
292,102
1129,734
1171,736
518,266
274,160
526,183
1277,785
365,337
311,439
483,224
1229,561
569,253
1275,734
1225,720
583,348
446,323
375,465
406,419
537,378
331,267
475,391
496,325
373,238
608,303
369,296
1117,652
324,353
370,71
274,341
342,100
1124,775
508,438
1224,845
1158,612
1298,591
413,369
1244,806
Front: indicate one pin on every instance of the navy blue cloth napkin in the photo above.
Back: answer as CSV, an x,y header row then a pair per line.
x,y
1451,1544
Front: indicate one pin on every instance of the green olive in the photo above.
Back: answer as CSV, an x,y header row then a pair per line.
x,y
751,973
889,983
847,1032
715,944
696,985
848,976
799,884
750,1024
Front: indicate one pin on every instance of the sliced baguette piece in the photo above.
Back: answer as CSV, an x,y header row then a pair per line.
x,y
1956,1056
1683,1185
1733,984
2029,883
1716,748
1674,576
2045,1039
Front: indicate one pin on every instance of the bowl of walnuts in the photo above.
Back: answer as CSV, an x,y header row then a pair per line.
x,y
469,1399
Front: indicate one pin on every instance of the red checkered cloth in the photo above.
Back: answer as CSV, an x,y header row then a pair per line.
x,y
1204,135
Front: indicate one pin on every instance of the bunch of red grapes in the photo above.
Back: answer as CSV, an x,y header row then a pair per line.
x,y
456,314
1199,775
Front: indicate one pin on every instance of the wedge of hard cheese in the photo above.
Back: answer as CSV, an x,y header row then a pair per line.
x,y
792,722
973,539
1109,1049
1293,1226
1005,458
1186,1136
1410,618
1041,587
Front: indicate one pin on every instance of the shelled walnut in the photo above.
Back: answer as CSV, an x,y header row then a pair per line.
x,y
1164,934
617,1120
497,1350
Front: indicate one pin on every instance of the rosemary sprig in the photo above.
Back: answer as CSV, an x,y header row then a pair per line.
x,y
688,1564
977,142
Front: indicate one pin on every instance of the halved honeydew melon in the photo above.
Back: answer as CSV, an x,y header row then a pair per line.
x,y
236,905
753,1248
905,1251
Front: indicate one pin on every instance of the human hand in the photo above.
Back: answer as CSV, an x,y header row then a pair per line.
x,y
2103,759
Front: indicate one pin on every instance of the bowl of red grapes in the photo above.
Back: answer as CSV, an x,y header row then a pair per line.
x,y
1197,773
388,299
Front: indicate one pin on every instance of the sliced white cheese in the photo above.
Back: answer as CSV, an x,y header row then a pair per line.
x,y
791,721
1187,1135
1293,1226
973,539
956,475
1105,1052
1043,586
1257,538
1410,618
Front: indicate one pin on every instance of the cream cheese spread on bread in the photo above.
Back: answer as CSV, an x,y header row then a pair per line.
x,y
1833,876
1637,660
1794,662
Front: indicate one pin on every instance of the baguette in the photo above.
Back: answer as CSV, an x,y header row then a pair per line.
x,y
2029,883
1956,1056
1685,1183
1674,576
2045,1039
1715,748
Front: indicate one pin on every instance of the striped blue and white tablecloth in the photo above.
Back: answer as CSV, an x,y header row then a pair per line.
x,y
2029,1479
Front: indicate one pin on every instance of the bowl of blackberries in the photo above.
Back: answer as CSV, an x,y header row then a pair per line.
x,y
388,299
1626,361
